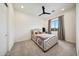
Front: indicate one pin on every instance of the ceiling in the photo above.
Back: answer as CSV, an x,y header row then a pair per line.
x,y
36,8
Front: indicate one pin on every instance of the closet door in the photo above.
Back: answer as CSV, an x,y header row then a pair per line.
x,y
3,29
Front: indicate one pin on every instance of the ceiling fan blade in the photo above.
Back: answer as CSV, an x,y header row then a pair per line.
x,y
43,8
41,14
47,13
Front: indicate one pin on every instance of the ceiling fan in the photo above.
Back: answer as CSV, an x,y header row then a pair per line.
x,y
43,9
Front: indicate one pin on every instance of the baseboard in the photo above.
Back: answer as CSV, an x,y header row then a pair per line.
x,y
70,42
21,40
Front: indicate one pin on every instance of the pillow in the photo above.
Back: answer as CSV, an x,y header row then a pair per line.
x,y
36,32
40,32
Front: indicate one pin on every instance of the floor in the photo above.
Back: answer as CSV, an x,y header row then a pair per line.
x,y
29,48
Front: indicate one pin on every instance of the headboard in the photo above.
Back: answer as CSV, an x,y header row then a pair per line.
x,y
36,31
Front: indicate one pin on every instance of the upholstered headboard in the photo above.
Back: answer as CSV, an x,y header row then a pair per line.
x,y
36,31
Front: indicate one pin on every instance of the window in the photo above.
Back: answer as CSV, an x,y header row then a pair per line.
x,y
54,24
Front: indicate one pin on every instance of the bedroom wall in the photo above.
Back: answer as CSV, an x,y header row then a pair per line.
x,y
70,26
11,27
77,28
3,29
25,23
7,32
69,23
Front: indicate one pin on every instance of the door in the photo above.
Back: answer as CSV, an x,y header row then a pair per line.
x,y
3,29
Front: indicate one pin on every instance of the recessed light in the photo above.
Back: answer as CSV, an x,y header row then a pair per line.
x,y
22,6
62,9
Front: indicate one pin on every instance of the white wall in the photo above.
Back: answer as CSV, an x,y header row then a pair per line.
x,y
25,23
11,26
3,29
7,28
77,28
69,24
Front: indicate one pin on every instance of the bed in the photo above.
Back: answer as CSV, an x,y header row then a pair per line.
x,y
43,40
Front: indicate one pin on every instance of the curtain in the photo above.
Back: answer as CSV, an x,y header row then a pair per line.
x,y
61,34
49,28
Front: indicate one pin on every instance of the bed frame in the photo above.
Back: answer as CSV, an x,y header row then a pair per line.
x,y
46,44
42,48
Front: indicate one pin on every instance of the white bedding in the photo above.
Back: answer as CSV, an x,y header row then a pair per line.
x,y
45,35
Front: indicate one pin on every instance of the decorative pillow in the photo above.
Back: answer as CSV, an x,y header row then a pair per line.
x,y
40,32
36,32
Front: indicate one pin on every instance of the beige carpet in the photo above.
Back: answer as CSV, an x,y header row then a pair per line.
x,y
29,48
